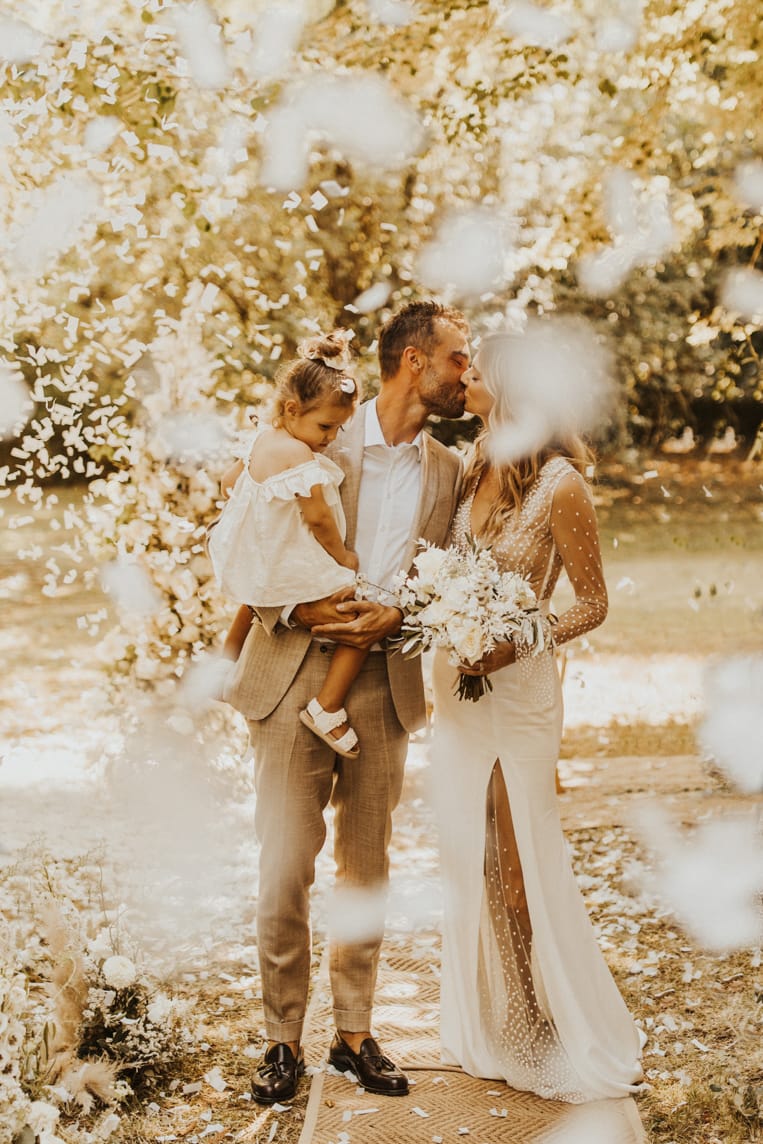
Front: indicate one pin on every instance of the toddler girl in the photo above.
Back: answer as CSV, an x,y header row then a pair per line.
x,y
280,538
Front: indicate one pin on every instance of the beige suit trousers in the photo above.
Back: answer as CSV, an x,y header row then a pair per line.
x,y
296,776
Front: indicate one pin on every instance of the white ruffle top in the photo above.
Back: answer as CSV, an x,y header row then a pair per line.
x,y
262,551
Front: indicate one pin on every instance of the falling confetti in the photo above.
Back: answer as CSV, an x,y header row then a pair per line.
x,y
362,116
731,731
467,255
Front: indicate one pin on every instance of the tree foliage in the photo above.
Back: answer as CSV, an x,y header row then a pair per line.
x,y
153,278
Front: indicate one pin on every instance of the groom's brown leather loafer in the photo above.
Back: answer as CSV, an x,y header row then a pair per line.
x,y
374,1072
277,1076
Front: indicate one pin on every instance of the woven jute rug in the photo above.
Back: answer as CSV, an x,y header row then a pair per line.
x,y
445,1105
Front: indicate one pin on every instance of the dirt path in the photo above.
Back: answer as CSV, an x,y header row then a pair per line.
x,y
684,584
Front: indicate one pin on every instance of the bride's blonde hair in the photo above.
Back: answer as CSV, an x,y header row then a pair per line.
x,y
515,478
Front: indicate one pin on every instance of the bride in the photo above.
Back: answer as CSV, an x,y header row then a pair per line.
x,y
526,994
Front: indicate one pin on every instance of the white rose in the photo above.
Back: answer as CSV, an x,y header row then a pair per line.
x,y
466,637
428,564
436,614
119,972
455,593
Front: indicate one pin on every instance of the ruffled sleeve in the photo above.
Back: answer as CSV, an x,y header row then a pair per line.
x,y
298,482
576,536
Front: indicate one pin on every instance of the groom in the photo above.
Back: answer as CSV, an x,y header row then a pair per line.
x,y
400,484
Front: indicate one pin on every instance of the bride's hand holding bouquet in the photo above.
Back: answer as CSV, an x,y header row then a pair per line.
x,y
460,600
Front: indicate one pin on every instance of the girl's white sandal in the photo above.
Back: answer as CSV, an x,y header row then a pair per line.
x,y
321,723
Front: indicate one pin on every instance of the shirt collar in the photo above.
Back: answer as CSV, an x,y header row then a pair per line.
x,y
374,434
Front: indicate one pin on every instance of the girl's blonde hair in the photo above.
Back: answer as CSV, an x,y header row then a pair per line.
x,y
515,478
319,373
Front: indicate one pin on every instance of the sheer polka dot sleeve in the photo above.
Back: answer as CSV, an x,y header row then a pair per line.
x,y
576,537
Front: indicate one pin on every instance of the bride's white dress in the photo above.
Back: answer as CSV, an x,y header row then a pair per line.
x,y
526,994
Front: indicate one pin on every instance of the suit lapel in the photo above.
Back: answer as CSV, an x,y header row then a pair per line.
x,y
429,495
347,452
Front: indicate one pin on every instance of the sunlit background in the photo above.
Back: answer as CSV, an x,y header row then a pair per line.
x,y
186,190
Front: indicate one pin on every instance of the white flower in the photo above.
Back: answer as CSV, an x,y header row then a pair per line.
x,y
428,564
466,638
436,614
160,1009
460,600
101,945
42,1117
119,972
455,593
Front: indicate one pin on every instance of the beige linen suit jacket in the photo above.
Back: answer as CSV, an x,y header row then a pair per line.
x,y
272,653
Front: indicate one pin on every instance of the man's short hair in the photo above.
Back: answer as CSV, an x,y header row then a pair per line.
x,y
414,325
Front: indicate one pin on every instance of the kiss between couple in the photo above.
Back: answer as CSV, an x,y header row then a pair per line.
x,y
526,994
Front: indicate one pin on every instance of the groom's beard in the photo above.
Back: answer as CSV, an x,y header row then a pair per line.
x,y
446,399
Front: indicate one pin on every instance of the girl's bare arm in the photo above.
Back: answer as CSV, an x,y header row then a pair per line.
x,y
320,520
230,477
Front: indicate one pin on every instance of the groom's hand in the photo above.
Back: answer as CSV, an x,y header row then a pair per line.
x,y
326,611
362,623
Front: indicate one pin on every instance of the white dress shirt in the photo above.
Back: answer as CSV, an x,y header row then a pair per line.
x,y
390,483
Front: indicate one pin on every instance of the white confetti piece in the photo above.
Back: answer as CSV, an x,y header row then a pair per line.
x,y
618,26
52,223
742,292
731,731
200,40
356,914
395,13
556,377
711,880
278,29
214,1079
625,582
748,183
468,254
596,1123
189,436
420,1112
538,26
373,298
638,216
616,35
16,404
698,1045
131,586
361,115
19,44
101,132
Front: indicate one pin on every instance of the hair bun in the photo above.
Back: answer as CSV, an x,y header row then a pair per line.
x,y
332,349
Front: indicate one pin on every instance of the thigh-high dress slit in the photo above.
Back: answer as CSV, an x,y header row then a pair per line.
x,y
526,993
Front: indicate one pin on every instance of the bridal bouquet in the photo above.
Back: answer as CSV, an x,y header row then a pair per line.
x,y
460,600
